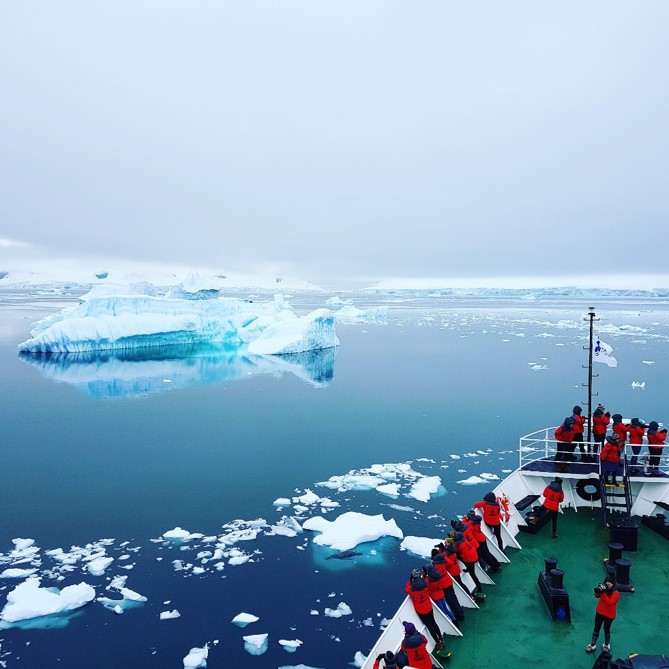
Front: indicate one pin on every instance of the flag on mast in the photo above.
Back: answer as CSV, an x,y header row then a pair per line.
x,y
602,352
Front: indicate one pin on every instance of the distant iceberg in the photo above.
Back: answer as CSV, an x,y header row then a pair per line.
x,y
123,322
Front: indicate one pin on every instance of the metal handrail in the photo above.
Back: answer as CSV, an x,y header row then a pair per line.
x,y
542,444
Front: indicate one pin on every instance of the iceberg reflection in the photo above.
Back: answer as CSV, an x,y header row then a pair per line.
x,y
141,372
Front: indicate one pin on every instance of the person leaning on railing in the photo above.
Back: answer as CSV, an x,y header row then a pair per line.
x,y
656,440
637,432
564,435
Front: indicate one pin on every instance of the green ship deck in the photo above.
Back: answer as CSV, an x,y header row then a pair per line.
x,y
514,629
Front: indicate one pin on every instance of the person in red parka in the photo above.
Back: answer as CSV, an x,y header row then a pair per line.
x,y
564,435
620,428
610,457
579,422
439,562
418,590
469,556
600,422
492,516
656,440
637,432
553,497
452,564
608,597
414,645
486,559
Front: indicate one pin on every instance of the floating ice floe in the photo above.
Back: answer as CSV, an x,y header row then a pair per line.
x,y
98,565
472,480
178,534
641,385
535,366
28,600
335,300
424,487
17,573
169,615
489,477
342,609
421,546
290,645
351,314
390,489
648,362
351,529
130,600
256,644
196,658
386,479
244,619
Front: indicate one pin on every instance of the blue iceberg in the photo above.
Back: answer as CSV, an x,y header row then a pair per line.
x,y
140,321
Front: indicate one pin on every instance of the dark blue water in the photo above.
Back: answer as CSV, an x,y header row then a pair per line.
x,y
127,449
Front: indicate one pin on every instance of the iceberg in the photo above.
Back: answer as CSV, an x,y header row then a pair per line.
x,y
122,322
312,332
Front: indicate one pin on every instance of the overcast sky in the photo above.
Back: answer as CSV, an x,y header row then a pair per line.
x,y
355,139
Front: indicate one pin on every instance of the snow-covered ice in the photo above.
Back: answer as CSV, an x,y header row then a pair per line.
x,y
350,529
196,658
244,619
342,609
169,615
256,644
291,645
133,319
30,600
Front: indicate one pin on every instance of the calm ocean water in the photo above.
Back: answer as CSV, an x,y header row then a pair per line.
x,y
126,450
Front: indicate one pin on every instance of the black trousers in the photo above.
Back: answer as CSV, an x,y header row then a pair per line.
x,y
497,531
554,517
488,558
453,603
431,624
470,568
599,619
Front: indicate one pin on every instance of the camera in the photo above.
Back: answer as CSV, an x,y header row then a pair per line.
x,y
601,588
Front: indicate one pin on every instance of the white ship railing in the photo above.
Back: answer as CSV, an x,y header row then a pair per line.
x,y
542,445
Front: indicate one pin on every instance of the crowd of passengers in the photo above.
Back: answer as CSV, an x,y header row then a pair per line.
x,y
609,449
433,583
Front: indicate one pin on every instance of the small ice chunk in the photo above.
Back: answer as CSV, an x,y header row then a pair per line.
x,y
197,658
169,615
244,619
472,480
256,644
342,609
290,645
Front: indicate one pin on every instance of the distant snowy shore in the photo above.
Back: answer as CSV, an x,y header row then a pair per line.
x,y
82,279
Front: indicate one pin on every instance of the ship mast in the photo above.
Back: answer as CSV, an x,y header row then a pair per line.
x,y
591,315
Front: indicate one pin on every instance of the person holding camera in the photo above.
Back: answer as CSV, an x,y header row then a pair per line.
x,y
600,422
417,588
608,597
388,659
